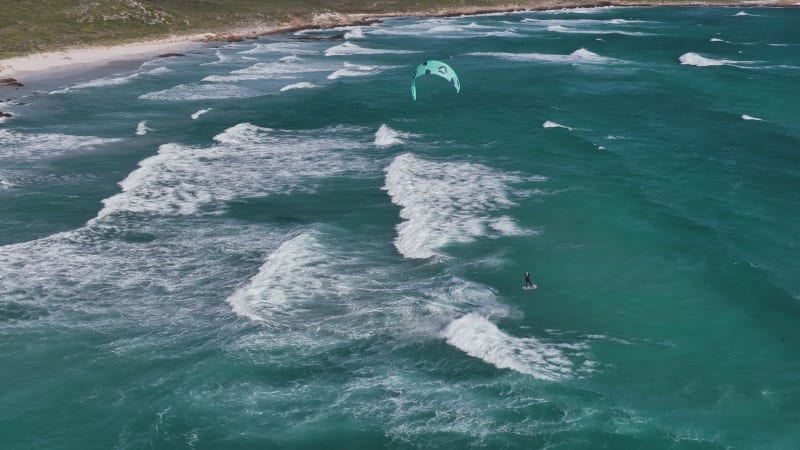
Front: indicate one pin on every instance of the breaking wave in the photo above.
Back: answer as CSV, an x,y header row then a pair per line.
x,y
247,161
447,202
694,59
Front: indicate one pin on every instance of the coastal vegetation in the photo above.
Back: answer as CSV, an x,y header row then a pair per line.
x,y
31,26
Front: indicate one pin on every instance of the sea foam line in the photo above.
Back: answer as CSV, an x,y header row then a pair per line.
x,y
549,124
288,67
694,59
355,70
196,115
114,81
581,55
563,29
348,48
24,146
200,91
301,85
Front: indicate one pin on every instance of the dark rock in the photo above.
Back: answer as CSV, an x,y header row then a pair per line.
x,y
169,55
5,114
335,37
10,82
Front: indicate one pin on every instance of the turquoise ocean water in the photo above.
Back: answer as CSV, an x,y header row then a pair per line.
x,y
269,245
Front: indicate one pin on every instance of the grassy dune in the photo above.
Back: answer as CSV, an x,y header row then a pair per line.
x,y
29,26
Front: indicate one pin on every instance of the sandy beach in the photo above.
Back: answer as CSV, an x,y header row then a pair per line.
x,y
80,59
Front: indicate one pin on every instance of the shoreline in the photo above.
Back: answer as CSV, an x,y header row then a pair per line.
x,y
84,59
15,72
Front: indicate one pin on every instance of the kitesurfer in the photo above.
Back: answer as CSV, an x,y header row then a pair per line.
x,y
527,277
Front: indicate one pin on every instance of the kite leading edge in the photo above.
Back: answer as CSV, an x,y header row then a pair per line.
x,y
434,67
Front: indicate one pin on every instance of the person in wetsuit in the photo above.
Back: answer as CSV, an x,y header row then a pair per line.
x,y
527,277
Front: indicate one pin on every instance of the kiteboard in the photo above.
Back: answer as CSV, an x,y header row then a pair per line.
x,y
529,288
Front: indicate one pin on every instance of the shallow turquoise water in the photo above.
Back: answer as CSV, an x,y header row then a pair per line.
x,y
270,245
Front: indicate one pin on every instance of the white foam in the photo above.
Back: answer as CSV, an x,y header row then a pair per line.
x,y
196,115
746,117
291,48
549,124
557,28
91,274
157,71
355,70
581,22
409,402
318,294
743,14
197,91
301,85
694,59
5,184
440,28
445,29
114,81
142,128
506,226
354,33
28,147
386,136
247,161
581,10
719,40
292,276
580,56
447,202
478,337
222,58
625,21
348,48
563,29
285,68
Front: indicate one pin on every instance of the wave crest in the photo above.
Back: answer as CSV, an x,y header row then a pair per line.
x,y
447,202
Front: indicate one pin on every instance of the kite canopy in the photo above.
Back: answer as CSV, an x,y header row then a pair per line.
x,y
434,67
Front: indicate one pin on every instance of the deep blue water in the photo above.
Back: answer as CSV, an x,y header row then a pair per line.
x,y
270,245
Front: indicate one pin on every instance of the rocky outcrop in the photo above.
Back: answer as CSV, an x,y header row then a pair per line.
x,y
335,37
10,82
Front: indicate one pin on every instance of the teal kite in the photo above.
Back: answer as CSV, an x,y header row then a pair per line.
x,y
433,67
